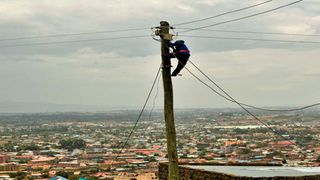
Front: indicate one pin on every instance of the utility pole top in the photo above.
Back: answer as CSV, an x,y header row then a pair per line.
x,y
164,23
163,31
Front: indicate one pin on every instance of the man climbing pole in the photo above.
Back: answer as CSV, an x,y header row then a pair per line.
x,y
181,52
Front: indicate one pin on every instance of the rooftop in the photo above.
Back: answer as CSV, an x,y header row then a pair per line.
x,y
260,171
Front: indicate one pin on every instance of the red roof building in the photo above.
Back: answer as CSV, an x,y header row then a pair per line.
x,y
3,159
282,143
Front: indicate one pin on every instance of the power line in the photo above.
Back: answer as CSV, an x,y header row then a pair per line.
x,y
154,99
283,110
244,104
245,109
251,39
73,34
139,117
251,114
254,32
255,117
244,17
73,41
225,13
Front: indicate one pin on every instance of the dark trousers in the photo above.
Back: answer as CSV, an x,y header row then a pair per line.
x,y
182,61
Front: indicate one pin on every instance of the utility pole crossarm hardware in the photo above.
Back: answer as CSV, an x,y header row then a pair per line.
x,y
165,36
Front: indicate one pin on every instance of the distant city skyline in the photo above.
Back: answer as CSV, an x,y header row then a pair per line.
x,y
88,144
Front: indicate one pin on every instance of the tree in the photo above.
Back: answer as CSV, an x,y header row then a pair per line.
x,y
74,177
244,151
45,175
202,153
18,175
92,178
64,174
151,159
31,147
9,147
71,144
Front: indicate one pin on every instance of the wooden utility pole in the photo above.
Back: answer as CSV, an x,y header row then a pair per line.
x,y
168,104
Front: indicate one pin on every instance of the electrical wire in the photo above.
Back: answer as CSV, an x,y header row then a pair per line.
x,y
229,97
254,32
251,114
73,41
245,109
244,17
139,117
244,104
155,98
73,34
225,13
154,101
252,39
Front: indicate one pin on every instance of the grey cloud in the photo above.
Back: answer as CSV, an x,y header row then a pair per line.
x,y
120,72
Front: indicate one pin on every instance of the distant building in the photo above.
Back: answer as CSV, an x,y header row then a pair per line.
x,y
9,167
282,143
42,161
2,159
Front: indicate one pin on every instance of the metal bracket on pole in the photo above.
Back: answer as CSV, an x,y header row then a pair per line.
x,y
165,35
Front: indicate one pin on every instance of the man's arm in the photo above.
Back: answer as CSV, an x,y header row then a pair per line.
x,y
170,44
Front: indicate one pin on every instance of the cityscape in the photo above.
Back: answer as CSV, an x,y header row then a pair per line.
x,y
159,90
92,145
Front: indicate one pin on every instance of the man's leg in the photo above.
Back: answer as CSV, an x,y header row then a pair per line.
x,y
182,61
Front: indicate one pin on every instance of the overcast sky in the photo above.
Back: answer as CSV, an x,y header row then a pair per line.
x,y
119,73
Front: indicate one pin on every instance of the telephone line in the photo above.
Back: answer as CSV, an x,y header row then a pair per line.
x,y
73,41
252,39
73,34
254,32
244,17
139,117
238,103
225,13
244,104
155,98
251,114
241,105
